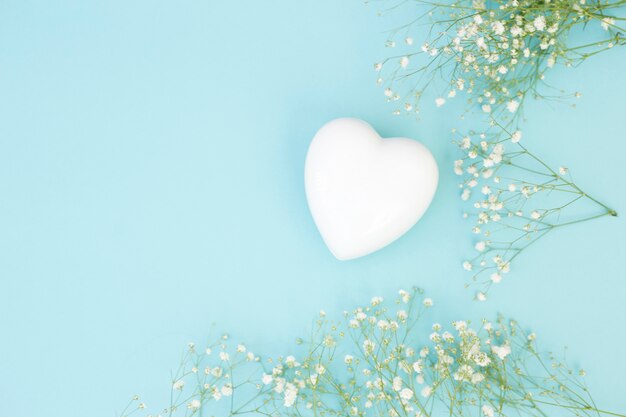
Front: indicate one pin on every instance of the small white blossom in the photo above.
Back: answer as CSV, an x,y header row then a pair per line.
x,y
501,351
497,27
291,362
227,390
397,383
291,393
606,22
512,106
465,195
406,394
477,378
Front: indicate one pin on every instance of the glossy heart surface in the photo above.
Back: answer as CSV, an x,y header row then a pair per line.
x,y
364,191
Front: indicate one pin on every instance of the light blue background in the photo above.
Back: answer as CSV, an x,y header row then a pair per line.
x,y
151,160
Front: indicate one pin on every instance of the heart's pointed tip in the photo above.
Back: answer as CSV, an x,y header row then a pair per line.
x,y
344,258
347,256
340,256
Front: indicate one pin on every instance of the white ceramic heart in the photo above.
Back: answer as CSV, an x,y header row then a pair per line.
x,y
364,191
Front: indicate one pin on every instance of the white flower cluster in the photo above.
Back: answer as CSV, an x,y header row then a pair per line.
x,y
497,52
195,385
516,199
379,362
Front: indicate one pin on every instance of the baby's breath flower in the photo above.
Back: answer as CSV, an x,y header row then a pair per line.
x,y
504,208
376,301
368,346
195,404
461,367
267,379
501,351
503,48
607,22
512,106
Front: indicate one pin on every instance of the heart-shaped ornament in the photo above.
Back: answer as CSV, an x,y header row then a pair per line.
x,y
364,191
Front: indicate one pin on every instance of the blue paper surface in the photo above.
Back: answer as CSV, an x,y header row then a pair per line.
x,y
151,182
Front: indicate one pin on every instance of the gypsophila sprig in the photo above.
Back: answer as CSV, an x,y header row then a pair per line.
x,y
207,378
383,359
497,53
516,200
